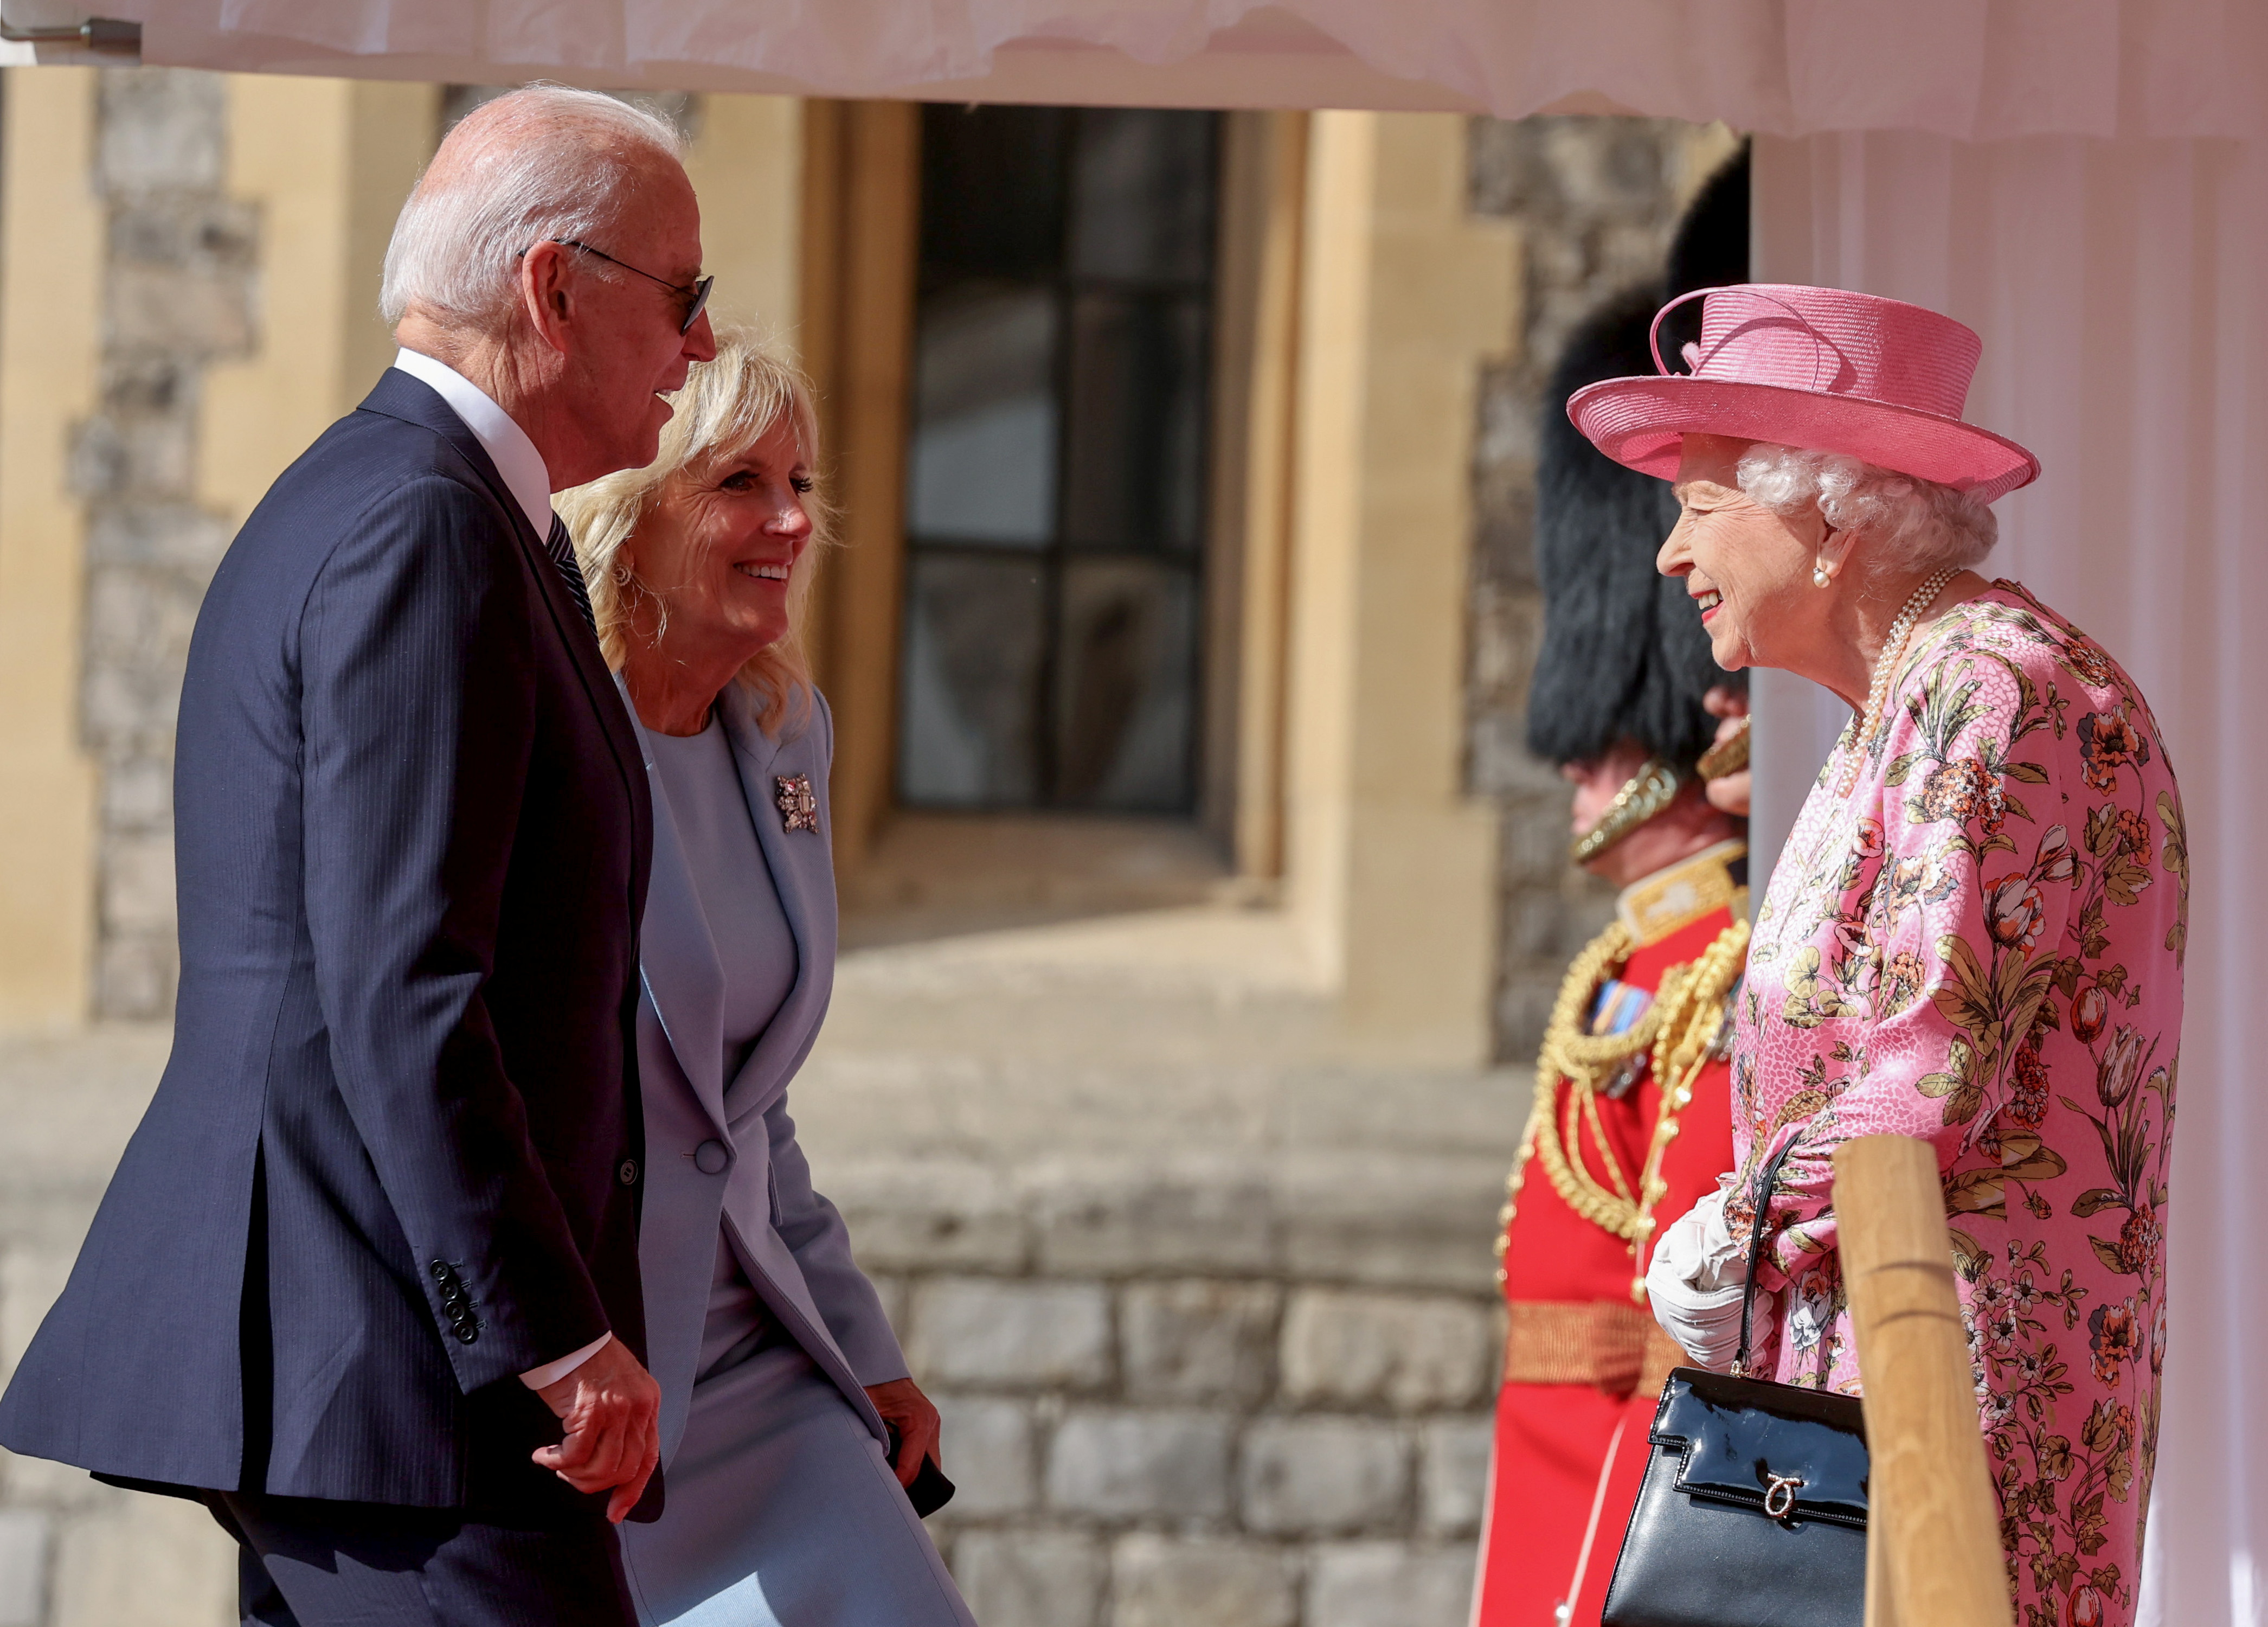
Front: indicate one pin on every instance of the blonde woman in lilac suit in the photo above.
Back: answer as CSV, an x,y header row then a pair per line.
x,y
781,1383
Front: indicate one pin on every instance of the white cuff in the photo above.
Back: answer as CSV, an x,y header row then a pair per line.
x,y
551,1373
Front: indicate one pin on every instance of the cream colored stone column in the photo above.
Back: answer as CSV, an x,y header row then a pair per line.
x,y
50,289
746,164
1391,867
328,161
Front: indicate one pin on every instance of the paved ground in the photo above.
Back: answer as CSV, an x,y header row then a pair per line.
x,y
1185,1045
1093,1126
71,1551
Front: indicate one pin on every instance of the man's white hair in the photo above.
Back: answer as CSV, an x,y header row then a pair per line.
x,y
545,164
1902,523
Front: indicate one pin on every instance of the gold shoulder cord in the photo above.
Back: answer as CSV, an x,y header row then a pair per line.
x,y
1680,1028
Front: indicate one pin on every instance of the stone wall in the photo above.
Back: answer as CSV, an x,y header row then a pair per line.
x,y
180,285
1196,1403
1597,201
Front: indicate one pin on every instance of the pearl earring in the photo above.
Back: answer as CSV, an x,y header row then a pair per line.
x,y
1819,577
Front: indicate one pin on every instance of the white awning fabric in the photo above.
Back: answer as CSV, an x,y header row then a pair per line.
x,y
1971,70
2119,287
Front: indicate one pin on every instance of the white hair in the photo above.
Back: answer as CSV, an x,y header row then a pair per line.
x,y
1902,523
545,164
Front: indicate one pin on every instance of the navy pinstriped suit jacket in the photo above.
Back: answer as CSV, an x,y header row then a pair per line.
x,y
412,832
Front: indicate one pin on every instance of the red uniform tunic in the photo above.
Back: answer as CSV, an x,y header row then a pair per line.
x,y
1569,1454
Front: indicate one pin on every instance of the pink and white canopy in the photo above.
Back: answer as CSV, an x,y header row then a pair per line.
x,y
1973,69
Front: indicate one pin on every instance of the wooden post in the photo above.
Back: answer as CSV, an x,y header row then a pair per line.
x,y
1934,1529
1248,538
862,187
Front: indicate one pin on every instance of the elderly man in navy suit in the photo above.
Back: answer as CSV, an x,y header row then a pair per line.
x,y
365,1282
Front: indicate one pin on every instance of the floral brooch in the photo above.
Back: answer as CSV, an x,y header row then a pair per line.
x,y
798,808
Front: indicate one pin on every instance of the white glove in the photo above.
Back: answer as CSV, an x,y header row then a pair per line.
x,y
1695,1283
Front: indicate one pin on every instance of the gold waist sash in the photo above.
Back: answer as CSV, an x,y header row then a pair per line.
x,y
1614,1347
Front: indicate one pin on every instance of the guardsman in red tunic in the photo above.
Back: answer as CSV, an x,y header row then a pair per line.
x,y
1630,1120
1610,1158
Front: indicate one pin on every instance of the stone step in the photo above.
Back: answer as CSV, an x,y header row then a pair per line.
x,y
1394,1220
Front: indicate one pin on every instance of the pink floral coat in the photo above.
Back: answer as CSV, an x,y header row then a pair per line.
x,y
1981,946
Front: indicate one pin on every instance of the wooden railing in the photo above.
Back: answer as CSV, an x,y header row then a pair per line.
x,y
1934,1524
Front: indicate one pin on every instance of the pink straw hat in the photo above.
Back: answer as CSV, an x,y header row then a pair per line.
x,y
1818,368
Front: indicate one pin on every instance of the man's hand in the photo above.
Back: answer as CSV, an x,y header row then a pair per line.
x,y
611,1407
901,1401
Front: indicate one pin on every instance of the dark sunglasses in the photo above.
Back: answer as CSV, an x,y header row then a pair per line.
x,y
698,293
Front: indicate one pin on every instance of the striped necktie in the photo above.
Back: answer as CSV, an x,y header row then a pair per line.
x,y
561,547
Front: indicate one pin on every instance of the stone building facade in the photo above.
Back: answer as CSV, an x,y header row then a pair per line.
x,y
1597,201
1217,1378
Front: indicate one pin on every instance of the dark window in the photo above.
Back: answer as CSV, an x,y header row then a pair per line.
x,y
1056,477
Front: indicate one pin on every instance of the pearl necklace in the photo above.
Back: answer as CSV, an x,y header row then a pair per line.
x,y
1894,646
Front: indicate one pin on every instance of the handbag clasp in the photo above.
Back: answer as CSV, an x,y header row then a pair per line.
x,y
1779,1496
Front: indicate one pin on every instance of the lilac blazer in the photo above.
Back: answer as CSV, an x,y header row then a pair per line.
x,y
723,1150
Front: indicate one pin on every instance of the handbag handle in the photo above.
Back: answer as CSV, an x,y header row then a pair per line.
x,y
1766,1182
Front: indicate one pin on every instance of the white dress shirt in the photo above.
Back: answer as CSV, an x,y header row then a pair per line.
x,y
529,480
507,444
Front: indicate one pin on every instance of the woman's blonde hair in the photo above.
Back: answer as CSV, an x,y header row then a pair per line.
x,y
726,406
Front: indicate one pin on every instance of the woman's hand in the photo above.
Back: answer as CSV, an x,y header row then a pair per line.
x,y
1729,794
1695,1283
902,1404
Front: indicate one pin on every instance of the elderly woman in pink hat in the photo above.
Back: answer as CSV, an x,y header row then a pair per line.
x,y
1974,935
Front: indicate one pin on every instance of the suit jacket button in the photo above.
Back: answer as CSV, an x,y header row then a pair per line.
x,y
710,1158
440,1270
628,1173
467,1332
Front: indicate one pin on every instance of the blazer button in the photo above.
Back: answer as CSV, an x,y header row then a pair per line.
x,y
710,1158
628,1173
440,1270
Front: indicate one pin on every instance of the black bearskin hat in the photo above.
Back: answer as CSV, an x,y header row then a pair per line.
x,y
1625,656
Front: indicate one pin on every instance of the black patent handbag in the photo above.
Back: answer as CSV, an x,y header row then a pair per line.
x,y
1753,1511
